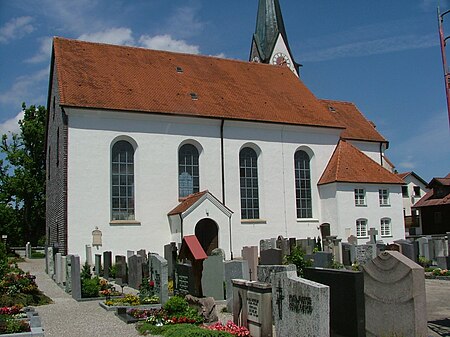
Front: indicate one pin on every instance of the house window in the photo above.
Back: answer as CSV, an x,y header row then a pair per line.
x,y
248,167
383,196
303,185
122,181
360,197
386,227
405,193
361,228
188,170
417,191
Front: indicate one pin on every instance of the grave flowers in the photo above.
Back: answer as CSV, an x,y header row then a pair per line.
x,y
11,320
230,327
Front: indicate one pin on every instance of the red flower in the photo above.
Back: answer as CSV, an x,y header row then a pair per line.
x,y
151,283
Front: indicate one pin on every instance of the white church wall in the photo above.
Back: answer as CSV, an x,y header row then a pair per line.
x,y
370,149
348,212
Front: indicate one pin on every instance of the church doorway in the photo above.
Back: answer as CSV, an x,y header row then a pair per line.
x,y
207,233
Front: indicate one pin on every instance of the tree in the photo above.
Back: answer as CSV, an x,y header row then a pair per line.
x,y
22,179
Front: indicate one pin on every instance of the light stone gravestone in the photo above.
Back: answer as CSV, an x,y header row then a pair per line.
x,y
424,249
300,307
365,253
58,268
265,272
213,277
51,262
75,277
159,273
134,271
252,307
439,246
89,255
283,244
235,269
373,235
250,253
107,263
28,250
68,273
394,288
98,264
306,245
443,262
353,240
407,249
63,270
337,250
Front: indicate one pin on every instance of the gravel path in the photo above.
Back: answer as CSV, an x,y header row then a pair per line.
x,y
69,318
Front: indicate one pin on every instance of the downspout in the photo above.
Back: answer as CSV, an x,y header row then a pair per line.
x,y
222,156
381,153
181,226
231,243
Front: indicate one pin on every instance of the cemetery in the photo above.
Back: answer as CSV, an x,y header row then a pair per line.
x,y
287,286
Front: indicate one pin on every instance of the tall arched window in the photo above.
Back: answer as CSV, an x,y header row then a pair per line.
x,y
188,170
122,181
303,185
248,165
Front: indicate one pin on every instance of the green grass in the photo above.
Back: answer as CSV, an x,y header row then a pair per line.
x,y
179,330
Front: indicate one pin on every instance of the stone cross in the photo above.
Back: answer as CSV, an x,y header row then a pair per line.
x,y
373,235
353,240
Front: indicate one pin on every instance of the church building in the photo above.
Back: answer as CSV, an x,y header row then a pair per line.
x,y
145,147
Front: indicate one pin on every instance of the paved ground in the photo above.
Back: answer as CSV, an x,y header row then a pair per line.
x,y
69,318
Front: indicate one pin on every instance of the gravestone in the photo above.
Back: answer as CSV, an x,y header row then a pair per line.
x,y
443,262
347,311
272,256
134,271
68,273
213,277
424,249
58,268
89,254
142,253
373,236
381,247
300,307
121,269
98,264
250,253
337,250
75,279
63,270
431,247
306,245
51,262
130,253
439,246
346,254
185,280
265,272
265,244
252,307
365,253
353,240
283,244
170,254
235,269
107,263
394,247
159,274
322,259
394,288
407,249
28,250
292,244
192,251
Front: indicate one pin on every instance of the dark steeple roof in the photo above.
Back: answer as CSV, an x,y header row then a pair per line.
x,y
269,24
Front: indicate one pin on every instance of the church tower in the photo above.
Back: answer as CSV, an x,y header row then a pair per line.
x,y
270,44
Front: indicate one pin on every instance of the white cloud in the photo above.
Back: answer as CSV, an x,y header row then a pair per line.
x,y
25,89
12,124
16,28
373,47
166,42
44,51
184,22
220,55
118,36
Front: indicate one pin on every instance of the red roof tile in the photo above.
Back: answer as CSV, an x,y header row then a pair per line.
x,y
187,203
428,200
100,76
191,243
357,127
348,164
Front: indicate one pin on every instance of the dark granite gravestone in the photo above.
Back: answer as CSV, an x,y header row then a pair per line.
x,y
271,256
75,277
170,254
443,262
107,263
407,249
191,250
322,259
394,247
145,271
213,277
134,271
347,310
292,243
98,264
184,280
121,269
346,254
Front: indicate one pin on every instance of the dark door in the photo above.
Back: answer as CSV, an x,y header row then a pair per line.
x,y
206,232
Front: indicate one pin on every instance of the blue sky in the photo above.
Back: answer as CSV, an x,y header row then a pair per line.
x,y
382,55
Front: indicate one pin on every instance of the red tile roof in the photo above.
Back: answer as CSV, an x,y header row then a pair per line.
x,y
348,164
428,200
187,203
191,243
100,76
357,127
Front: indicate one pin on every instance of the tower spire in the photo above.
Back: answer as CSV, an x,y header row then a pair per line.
x,y
270,43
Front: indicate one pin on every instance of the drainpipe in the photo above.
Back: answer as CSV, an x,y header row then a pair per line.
x,y
231,243
222,161
381,153
181,226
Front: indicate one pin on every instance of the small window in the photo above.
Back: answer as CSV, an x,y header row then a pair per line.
x,y
417,191
386,227
361,228
188,171
405,193
383,196
360,197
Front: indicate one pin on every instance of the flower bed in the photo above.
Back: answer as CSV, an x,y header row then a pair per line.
x,y
128,300
18,321
438,274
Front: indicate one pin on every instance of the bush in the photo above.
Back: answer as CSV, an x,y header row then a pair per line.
x,y
3,260
90,287
180,330
86,272
37,255
297,257
176,305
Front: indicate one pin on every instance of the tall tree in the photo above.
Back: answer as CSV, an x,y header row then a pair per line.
x,y
22,179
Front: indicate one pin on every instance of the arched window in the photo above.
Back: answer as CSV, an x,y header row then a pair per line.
x,y
188,170
361,228
122,181
385,227
248,165
303,185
